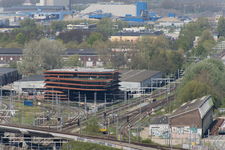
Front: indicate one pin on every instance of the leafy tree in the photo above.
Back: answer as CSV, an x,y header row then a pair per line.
x,y
200,50
171,30
77,36
42,55
184,46
105,26
20,38
193,90
221,26
210,74
12,64
221,38
28,23
57,25
92,125
74,61
206,35
94,37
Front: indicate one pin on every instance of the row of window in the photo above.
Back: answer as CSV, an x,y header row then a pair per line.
x,y
10,58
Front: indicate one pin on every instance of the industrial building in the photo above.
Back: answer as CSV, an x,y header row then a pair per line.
x,y
65,3
30,83
69,83
132,36
115,9
196,114
170,21
135,79
8,75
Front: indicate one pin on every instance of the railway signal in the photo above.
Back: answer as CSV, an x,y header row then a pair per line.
x,y
127,118
78,122
58,119
48,119
105,115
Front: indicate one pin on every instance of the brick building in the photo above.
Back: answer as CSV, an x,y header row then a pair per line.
x,y
89,57
197,114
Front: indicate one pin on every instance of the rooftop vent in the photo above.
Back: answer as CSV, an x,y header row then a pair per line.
x,y
203,98
193,101
183,104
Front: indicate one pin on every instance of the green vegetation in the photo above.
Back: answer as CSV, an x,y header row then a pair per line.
x,y
203,78
74,61
77,145
91,125
41,55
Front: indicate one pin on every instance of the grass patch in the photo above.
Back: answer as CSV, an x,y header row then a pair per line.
x,y
77,145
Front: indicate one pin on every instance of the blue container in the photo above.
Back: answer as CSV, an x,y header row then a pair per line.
x,y
134,19
141,6
171,14
128,15
100,16
28,103
152,14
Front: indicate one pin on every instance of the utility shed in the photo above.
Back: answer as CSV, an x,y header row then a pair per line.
x,y
135,79
197,113
158,126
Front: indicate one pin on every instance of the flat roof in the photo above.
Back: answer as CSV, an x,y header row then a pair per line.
x,y
86,70
136,75
32,78
160,120
7,70
193,105
81,51
11,51
137,33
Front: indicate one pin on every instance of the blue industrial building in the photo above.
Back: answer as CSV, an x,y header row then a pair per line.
x,y
100,16
142,14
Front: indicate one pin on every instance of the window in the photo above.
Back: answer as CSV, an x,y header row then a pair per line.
x,y
89,64
3,62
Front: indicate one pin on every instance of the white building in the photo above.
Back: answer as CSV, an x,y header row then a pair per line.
x,y
65,3
159,126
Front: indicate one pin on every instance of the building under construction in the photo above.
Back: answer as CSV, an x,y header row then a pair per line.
x,y
72,84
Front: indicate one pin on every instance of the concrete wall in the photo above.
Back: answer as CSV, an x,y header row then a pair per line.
x,y
24,85
157,128
207,120
130,84
147,82
61,3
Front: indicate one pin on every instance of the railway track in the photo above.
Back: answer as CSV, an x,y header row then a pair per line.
x,y
136,115
73,123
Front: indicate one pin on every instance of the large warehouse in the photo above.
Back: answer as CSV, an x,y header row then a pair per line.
x,y
90,82
135,79
194,114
